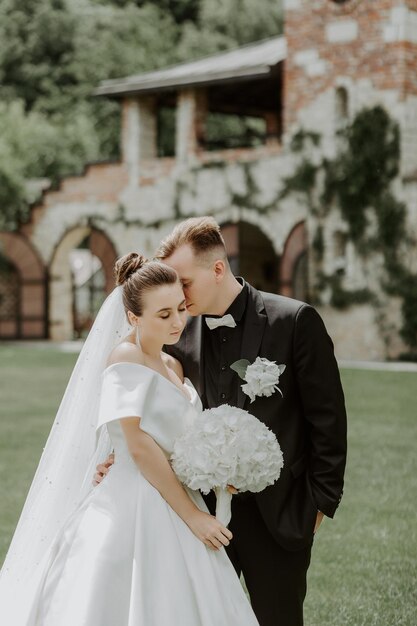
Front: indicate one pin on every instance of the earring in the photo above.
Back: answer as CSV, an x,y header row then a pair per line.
x,y
137,337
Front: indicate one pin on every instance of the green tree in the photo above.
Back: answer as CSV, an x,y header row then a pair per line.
x,y
180,10
33,146
53,53
225,24
37,43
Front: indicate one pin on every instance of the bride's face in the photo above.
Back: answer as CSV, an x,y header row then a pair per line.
x,y
164,313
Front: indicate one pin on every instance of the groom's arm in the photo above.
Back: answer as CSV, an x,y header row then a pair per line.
x,y
323,404
103,469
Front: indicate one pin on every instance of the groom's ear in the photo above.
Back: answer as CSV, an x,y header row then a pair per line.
x,y
219,270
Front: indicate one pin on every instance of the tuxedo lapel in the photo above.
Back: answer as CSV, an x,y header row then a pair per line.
x,y
193,351
253,331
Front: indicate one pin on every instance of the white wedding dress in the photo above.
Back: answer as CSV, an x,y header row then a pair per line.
x,y
124,557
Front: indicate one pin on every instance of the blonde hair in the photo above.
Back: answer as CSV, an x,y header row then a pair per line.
x,y
201,233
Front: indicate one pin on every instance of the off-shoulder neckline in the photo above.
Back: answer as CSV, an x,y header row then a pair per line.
x,y
189,399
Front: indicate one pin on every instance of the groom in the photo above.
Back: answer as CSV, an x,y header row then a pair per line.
x,y
230,320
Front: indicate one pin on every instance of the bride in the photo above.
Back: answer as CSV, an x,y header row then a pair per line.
x,y
140,549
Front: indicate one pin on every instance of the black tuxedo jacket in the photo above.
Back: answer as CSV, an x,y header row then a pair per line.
x,y
309,421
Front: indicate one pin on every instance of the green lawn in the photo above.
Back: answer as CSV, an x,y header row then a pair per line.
x,y
364,562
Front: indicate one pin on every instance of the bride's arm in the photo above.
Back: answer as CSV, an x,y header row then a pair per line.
x,y
155,467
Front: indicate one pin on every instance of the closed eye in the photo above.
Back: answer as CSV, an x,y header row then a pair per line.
x,y
181,308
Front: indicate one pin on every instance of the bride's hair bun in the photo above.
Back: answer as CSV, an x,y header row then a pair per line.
x,y
128,265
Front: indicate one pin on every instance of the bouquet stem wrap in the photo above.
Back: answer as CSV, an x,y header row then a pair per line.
x,y
223,505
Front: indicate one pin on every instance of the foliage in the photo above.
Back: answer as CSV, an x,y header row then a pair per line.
x,y
12,196
343,298
358,181
225,131
361,175
181,10
37,43
299,139
33,146
318,243
224,24
54,53
303,179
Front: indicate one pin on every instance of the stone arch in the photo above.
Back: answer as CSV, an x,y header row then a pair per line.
x,y
293,269
252,255
27,319
103,248
61,298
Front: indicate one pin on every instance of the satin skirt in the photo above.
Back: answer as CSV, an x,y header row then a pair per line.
x,y
125,558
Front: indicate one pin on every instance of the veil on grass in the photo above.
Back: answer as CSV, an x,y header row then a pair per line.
x,y
65,471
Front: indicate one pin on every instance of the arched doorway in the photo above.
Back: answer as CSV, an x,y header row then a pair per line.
x,y
81,274
252,255
23,311
294,264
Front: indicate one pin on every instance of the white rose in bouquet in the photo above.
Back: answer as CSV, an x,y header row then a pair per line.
x,y
227,446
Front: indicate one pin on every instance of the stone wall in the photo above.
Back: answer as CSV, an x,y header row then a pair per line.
x,y
211,186
242,190
340,59
370,48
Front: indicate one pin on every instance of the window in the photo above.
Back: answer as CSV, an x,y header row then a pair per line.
x,y
9,299
9,289
166,131
342,105
225,131
339,252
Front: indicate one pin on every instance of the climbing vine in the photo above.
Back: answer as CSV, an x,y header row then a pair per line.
x,y
358,182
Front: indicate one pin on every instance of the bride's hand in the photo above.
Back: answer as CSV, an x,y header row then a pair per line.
x,y
102,470
232,489
209,530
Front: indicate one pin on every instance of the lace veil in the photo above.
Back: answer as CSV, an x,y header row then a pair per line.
x,y
65,471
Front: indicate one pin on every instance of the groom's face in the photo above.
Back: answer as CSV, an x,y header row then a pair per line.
x,y
199,281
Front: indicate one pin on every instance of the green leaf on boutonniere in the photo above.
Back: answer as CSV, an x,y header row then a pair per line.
x,y
240,367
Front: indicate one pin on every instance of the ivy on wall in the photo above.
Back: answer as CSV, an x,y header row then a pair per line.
x,y
359,182
246,198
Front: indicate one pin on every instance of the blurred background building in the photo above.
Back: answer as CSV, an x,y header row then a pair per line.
x,y
284,103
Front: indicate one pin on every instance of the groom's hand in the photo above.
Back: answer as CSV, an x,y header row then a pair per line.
x,y
319,520
103,469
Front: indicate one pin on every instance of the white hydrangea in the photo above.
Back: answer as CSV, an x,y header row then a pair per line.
x,y
262,378
227,446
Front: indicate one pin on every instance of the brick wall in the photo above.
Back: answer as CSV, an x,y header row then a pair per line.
x,y
100,183
372,39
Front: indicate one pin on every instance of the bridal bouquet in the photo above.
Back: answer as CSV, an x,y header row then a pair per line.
x,y
227,446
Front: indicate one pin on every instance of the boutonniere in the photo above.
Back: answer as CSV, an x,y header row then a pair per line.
x,y
261,377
